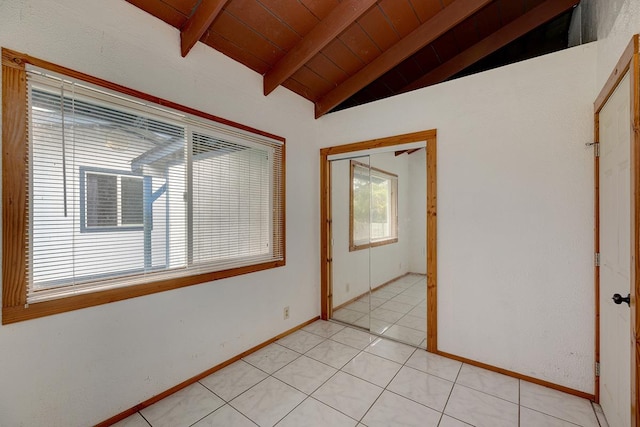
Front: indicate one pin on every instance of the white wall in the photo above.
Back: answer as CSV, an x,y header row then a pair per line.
x,y
79,368
615,22
515,214
417,222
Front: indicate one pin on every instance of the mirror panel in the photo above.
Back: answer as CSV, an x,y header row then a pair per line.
x,y
378,211
350,206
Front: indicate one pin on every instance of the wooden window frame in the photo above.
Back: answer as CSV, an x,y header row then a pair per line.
x,y
353,246
15,199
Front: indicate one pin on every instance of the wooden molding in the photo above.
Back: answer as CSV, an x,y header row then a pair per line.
x,y
326,300
432,246
380,142
505,35
596,249
635,233
622,66
339,19
426,33
198,23
14,175
517,375
140,406
629,61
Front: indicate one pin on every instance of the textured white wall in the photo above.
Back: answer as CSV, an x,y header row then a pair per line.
x,y
515,213
418,208
79,368
616,22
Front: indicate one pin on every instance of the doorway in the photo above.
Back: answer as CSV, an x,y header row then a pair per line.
x,y
617,207
364,202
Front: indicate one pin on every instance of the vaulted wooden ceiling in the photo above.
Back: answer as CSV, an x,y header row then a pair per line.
x,y
340,53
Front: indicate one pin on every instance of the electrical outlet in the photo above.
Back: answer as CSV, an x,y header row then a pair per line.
x,y
286,312
347,287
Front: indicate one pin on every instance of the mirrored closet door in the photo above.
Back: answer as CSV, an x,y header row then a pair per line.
x,y
378,242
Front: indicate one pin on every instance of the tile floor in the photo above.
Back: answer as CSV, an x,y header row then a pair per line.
x,y
398,310
329,375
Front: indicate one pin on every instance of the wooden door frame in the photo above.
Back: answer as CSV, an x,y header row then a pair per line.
x,y
629,61
326,285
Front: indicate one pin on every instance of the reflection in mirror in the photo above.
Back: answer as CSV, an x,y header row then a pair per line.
x,y
349,201
379,268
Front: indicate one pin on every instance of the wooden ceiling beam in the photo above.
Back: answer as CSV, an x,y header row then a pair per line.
x,y
198,23
505,35
426,33
339,19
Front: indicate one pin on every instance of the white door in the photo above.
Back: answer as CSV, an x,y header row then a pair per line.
x,y
615,254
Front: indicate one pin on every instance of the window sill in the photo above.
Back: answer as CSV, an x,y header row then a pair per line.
x,y
46,308
375,244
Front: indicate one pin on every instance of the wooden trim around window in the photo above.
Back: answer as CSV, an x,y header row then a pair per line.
x,y
394,209
14,199
326,250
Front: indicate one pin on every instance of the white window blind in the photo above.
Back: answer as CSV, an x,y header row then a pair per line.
x,y
122,192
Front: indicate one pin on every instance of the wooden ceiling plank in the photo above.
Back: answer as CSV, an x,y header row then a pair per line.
x,y
359,42
411,69
317,84
320,8
258,18
198,23
510,32
394,79
426,33
324,67
446,47
401,16
466,33
375,24
531,4
510,10
237,32
343,57
221,44
328,29
426,9
427,59
183,6
297,87
488,20
161,11
294,14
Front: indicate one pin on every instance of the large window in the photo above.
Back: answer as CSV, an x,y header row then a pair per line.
x,y
373,207
115,196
